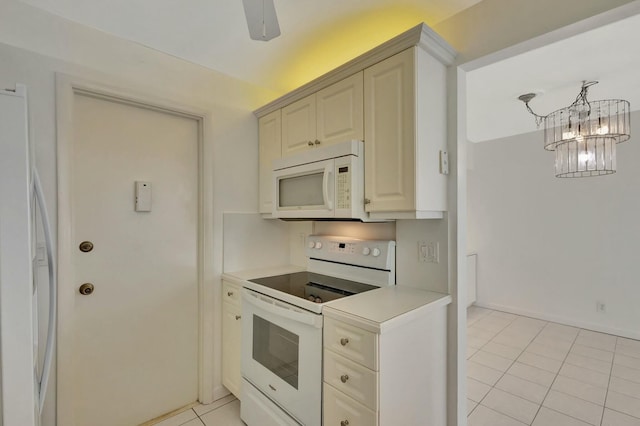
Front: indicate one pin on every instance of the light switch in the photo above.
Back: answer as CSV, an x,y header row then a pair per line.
x,y
444,162
143,196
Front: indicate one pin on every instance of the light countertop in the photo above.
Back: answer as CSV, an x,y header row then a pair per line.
x,y
385,308
376,310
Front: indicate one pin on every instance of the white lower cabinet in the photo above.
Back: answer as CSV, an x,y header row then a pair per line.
x,y
341,410
385,373
231,337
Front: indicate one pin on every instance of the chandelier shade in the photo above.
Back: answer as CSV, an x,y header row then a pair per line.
x,y
608,118
588,156
584,135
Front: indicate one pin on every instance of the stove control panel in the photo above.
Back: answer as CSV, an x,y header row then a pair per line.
x,y
367,253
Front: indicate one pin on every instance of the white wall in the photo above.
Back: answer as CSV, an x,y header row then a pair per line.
x,y
251,242
35,45
410,271
551,248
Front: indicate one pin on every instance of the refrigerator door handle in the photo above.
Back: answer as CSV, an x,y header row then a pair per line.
x,y
53,289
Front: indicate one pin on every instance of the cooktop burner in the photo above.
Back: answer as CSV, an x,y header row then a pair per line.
x,y
313,287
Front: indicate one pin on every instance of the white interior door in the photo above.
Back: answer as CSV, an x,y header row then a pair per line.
x,y
135,338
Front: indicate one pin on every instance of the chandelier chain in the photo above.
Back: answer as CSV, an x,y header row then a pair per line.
x,y
581,98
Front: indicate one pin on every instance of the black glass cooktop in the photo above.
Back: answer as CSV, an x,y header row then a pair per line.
x,y
314,287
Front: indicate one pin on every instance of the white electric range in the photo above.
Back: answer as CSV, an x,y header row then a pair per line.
x,y
282,326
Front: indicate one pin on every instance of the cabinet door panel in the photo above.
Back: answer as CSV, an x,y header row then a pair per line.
x,y
269,133
231,346
390,134
339,409
340,111
351,378
298,125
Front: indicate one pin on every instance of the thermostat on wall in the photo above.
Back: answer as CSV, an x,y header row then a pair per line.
x,y
143,196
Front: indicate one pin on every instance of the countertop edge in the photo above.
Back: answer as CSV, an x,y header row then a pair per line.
x,y
391,323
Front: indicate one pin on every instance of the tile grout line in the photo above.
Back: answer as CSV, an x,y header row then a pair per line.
x,y
480,348
505,372
564,361
217,408
606,396
555,377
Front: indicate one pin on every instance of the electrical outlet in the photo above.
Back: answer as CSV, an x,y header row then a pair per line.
x,y
428,251
601,307
422,251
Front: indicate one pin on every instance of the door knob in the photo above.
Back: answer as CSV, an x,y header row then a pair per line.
x,y
86,246
86,289
344,378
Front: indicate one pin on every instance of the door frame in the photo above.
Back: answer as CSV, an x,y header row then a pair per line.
x,y
67,87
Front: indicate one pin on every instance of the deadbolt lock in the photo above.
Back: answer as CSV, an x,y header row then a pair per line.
x,y
86,289
86,246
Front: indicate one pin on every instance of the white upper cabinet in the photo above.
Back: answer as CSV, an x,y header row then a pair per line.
x,y
299,126
269,134
340,111
332,115
393,97
405,132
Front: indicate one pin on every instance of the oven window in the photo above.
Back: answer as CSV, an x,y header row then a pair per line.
x,y
276,349
301,191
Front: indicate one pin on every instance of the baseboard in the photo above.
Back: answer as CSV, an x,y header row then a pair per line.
x,y
631,334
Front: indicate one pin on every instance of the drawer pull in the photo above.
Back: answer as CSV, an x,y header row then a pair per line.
x,y
310,143
344,341
238,317
344,423
344,378
229,293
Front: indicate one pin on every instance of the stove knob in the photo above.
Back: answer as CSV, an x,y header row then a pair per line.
x,y
311,244
318,300
376,252
366,251
318,245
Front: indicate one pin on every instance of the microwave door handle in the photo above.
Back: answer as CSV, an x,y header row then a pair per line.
x,y
282,311
328,171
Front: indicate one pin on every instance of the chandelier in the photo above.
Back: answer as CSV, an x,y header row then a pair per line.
x,y
584,135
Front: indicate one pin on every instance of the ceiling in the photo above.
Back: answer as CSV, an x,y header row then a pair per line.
x,y
317,35
609,54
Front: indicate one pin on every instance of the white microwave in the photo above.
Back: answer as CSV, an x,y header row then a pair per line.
x,y
321,183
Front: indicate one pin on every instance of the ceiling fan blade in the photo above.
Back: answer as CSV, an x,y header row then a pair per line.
x,y
261,19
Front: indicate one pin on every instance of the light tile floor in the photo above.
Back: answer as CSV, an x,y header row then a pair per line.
x,y
223,412
523,371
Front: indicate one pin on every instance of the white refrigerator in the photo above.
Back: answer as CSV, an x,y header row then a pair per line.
x,y
25,357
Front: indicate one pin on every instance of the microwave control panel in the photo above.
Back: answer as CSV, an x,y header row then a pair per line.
x,y
343,187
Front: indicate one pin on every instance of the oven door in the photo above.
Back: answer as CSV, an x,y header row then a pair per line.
x,y
305,191
282,354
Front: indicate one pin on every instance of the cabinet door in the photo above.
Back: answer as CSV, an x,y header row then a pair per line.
x,y
390,134
340,111
231,346
269,134
298,125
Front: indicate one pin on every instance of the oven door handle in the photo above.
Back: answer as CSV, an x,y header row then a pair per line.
x,y
279,308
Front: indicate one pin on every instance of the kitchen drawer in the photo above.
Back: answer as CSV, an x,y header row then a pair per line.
x,y
352,342
341,410
353,379
231,293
